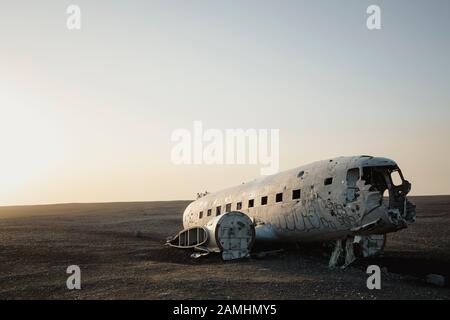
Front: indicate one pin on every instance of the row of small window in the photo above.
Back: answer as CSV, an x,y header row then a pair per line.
x,y
251,203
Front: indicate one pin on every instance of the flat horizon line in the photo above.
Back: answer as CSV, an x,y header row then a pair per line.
x,y
82,202
148,201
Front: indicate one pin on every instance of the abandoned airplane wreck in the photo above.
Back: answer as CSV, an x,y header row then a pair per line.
x,y
352,202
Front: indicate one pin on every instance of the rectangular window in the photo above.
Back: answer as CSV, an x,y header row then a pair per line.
x,y
352,178
296,194
263,200
228,207
396,178
251,203
209,212
200,215
218,211
279,197
239,206
328,181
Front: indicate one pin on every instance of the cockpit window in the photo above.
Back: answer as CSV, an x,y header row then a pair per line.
x,y
352,177
396,178
376,178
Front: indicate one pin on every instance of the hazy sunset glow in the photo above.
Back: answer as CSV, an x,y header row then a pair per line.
x,y
87,116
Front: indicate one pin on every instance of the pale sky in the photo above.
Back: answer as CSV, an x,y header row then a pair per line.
x,y
87,116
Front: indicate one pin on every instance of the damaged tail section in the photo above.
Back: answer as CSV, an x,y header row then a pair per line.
x,y
232,234
189,238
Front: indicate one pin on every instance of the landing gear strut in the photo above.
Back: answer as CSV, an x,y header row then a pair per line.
x,y
343,250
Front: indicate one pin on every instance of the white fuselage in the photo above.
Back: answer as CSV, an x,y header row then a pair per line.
x,y
322,201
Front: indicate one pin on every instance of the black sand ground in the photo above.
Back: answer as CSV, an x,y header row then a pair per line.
x,y
119,247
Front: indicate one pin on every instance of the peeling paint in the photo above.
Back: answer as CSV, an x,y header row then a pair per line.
x,y
336,200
